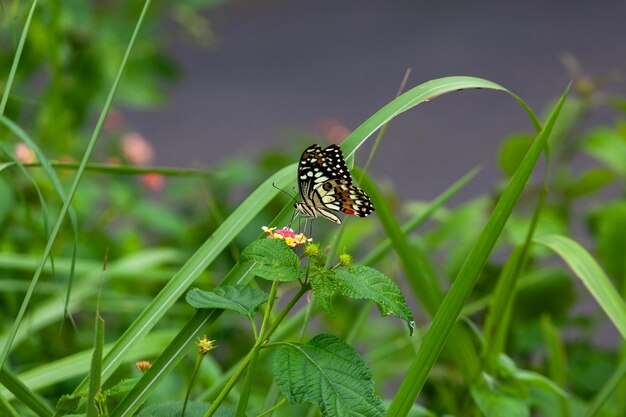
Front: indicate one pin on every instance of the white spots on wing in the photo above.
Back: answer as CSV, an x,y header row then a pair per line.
x,y
309,174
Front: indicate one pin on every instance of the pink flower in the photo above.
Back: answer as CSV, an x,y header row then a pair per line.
x,y
136,149
24,153
153,182
289,236
333,130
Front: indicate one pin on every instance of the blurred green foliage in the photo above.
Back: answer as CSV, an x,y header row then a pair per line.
x,y
72,52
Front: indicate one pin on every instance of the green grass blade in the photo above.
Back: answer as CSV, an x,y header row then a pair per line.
x,y
23,136
422,278
57,227
165,362
122,169
592,276
78,364
24,394
501,304
254,203
16,59
419,272
196,264
450,309
420,94
416,221
96,368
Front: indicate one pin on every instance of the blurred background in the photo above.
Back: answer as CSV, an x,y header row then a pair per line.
x,y
238,89
275,68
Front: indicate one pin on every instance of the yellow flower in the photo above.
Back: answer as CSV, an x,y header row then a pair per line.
x,y
205,345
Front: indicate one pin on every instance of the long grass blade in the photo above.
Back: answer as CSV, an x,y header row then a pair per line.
x,y
57,227
451,307
592,276
96,368
422,278
16,58
235,223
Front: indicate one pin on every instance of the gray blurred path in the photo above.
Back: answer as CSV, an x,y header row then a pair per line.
x,y
290,64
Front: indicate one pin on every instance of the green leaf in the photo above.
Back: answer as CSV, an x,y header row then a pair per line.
x,y
512,152
590,273
240,298
69,402
368,283
608,147
324,284
327,372
121,388
589,182
275,260
609,223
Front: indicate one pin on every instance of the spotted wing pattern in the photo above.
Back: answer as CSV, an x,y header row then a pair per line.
x,y
326,185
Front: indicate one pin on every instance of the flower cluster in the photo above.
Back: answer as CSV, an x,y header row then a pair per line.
x,y
289,236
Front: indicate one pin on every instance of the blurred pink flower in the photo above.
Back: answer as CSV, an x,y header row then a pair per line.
x,y
333,130
24,153
136,149
153,182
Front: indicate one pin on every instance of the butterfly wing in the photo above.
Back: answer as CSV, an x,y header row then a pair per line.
x,y
341,196
326,186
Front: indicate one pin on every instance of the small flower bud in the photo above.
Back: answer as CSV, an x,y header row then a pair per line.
x,y
312,249
143,366
345,259
205,345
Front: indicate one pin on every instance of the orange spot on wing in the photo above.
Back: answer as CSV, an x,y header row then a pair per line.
x,y
349,211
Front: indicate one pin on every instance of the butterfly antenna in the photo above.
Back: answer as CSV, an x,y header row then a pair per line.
x,y
283,191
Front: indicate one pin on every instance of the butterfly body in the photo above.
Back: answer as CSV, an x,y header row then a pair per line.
x,y
326,187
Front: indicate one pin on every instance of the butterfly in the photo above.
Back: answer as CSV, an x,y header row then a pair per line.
x,y
326,186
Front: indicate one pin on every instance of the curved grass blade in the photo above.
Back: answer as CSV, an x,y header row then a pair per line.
x,y
590,273
250,207
196,264
16,58
451,307
55,231
23,136
422,93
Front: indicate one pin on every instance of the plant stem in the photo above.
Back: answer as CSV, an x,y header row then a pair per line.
x,y
191,381
271,410
247,387
263,337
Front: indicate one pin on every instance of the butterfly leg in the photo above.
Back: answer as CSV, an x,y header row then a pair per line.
x,y
293,215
